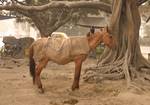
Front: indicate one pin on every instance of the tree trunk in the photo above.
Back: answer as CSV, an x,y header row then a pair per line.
x,y
45,29
49,21
126,61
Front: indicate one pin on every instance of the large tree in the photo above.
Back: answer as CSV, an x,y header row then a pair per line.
x,y
48,16
126,60
47,20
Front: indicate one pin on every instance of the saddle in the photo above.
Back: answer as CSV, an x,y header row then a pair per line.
x,y
56,43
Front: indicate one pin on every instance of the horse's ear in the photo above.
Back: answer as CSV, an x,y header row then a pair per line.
x,y
92,29
106,29
101,29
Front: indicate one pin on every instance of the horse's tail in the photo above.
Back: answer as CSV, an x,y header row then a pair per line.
x,y
32,63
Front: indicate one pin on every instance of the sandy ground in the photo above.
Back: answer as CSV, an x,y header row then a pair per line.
x,y
16,87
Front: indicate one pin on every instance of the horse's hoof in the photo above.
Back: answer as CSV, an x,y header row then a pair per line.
x,y
41,90
33,82
75,88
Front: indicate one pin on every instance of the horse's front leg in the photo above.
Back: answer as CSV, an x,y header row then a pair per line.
x,y
78,65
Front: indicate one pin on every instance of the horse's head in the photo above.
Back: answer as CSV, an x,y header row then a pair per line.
x,y
102,36
107,39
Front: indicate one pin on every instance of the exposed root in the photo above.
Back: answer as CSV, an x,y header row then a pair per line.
x,y
116,71
110,71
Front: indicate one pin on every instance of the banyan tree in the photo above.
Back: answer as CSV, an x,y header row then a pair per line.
x,y
126,60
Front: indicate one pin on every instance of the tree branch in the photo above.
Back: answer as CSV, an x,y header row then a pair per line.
x,y
89,26
61,4
64,4
148,19
60,21
12,1
25,13
19,2
140,2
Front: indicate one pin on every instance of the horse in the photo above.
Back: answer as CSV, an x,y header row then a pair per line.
x,y
40,49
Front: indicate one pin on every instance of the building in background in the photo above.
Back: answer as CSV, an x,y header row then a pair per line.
x,y
9,27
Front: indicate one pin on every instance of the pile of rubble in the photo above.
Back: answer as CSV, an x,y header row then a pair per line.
x,y
16,48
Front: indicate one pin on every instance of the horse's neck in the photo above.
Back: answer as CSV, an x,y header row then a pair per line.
x,y
94,41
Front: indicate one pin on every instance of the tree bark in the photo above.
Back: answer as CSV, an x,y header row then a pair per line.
x,y
126,61
59,4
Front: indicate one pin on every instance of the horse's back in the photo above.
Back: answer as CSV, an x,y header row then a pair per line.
x,y
40,41
79,45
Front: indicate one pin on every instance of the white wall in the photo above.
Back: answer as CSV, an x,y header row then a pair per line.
x,y
10,27
145,51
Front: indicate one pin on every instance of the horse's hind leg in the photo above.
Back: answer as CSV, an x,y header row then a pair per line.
x,y
39,69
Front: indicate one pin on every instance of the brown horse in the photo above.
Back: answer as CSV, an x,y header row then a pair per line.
x,y
40,54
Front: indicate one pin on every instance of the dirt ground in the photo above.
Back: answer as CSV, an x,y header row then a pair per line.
x,y
16,87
